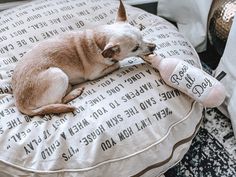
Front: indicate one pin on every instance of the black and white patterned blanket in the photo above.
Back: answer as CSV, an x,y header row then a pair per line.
x,y
213,151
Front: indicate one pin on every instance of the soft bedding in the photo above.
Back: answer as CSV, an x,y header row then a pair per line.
x,y
128,123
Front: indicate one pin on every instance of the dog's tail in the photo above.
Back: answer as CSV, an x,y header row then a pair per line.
x,y
49,109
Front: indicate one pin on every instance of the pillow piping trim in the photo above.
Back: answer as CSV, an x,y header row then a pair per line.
x,y
176,145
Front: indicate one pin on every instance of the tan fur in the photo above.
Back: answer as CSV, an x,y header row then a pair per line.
x,y
42,80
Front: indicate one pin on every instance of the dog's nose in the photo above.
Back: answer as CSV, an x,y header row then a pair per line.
x,y
151,46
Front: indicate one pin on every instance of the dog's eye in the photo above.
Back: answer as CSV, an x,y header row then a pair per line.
x,y
136,48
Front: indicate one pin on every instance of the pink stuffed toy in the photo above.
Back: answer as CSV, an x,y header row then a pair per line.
x,y
192,81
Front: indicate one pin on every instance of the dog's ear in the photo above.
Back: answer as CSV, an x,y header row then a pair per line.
x,y
110,50
121,14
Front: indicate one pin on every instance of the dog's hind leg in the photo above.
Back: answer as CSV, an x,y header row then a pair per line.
x,y
52,87
73,94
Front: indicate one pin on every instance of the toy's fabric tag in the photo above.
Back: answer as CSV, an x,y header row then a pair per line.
x,y
191,81
221,75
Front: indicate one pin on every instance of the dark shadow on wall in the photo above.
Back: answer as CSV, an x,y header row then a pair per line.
x,y
149,7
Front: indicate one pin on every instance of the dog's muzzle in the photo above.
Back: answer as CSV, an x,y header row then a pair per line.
x,y
151,47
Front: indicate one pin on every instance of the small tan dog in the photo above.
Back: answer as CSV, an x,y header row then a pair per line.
x,y
42,80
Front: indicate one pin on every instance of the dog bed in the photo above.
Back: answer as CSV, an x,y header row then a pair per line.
x,y
128,123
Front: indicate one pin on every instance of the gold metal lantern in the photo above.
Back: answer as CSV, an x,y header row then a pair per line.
x,y
219,23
